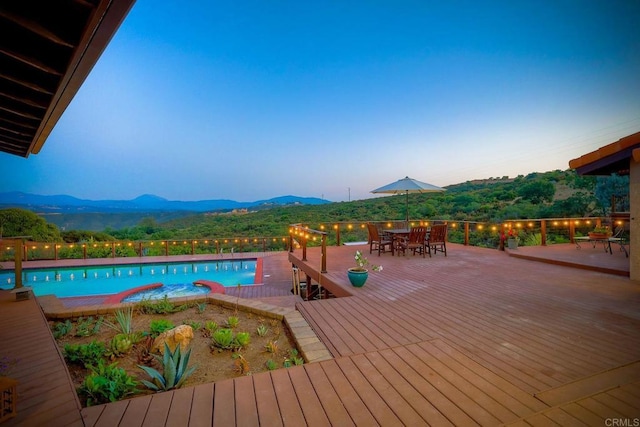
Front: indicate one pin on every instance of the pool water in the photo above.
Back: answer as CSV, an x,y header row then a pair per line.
x,y
108,280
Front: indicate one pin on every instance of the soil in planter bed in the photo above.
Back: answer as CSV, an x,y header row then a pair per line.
x,y
213,364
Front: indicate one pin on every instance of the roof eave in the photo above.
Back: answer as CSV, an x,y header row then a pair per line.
x,y
100,30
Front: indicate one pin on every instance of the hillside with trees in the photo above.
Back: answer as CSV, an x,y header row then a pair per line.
x,y
555,194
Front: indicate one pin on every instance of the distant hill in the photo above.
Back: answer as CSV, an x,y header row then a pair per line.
x,y
70,213
145,203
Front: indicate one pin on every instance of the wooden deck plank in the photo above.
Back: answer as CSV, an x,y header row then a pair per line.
x,y
404,412
45,392
180,410
266,401
224,413
414,357
332,340
597,408
310,403
158,409
113,415
590,385
518,401
617,405
91,415
369,396
582,414
288,403
202,406
356,343
136,411
497,403
245,402
563,418
418,401
624,394
430,391
333,406
356,408
369,335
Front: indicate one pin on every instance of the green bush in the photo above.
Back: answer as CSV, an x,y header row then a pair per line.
x,y
86,354
159,326
107,383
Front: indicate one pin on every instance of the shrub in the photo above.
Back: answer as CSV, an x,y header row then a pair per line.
x,y
86,354
107,383
60,329
159,326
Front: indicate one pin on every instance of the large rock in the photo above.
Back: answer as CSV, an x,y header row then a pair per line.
x,y
180,335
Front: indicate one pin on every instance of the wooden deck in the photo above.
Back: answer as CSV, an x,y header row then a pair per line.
x,y
475,338
46,396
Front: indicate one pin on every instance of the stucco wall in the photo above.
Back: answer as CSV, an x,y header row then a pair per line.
x,y
634,198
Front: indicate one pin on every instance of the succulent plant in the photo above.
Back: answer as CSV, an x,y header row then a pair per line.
x,y
175,370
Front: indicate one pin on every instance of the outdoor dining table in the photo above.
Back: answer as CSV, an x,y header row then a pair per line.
x,y
396,234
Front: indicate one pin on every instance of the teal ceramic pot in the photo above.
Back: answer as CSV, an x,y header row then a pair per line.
x,y
357,277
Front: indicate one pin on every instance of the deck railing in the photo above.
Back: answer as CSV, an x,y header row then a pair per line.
x,y
530,232
539,231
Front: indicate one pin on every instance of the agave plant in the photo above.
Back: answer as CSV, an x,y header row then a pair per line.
x,y
124,320
175,370
120,345
243,339
223,338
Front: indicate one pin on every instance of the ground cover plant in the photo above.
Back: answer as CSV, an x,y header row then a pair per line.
x,y
115,361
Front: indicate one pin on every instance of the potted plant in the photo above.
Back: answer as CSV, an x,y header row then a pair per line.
x,y
600,233
512,239
358,275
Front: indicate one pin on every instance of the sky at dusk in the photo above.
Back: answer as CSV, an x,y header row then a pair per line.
x,y
248,100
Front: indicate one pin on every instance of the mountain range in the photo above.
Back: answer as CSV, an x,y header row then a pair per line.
x,y
145,203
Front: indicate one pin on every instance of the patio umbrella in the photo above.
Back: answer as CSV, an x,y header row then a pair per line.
x,y
407,185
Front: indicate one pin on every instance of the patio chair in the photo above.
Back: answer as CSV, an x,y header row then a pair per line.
x,y
416,241
619,237
376,240
437,240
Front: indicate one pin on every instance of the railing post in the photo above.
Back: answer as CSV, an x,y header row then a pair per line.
x,y
466,233
166,248
17,266
84,251
323,269
193,247
55,251
543,232
337,227
140,249
572,230
304,248
113,249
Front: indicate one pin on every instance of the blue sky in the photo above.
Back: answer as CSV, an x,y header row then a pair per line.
x,y
250,100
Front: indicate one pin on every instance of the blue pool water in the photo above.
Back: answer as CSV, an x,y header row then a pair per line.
x,y
108,280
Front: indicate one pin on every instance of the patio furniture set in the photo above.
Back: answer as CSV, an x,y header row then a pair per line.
x,y
419,240
606,239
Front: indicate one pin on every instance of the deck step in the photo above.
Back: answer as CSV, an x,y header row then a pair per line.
x,y
591,385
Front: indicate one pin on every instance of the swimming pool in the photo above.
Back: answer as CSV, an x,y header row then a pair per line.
x,y
108,280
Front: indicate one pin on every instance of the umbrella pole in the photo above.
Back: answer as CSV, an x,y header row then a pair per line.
x,y
407,200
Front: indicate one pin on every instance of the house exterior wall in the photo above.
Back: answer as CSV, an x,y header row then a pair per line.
x,y
634,230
